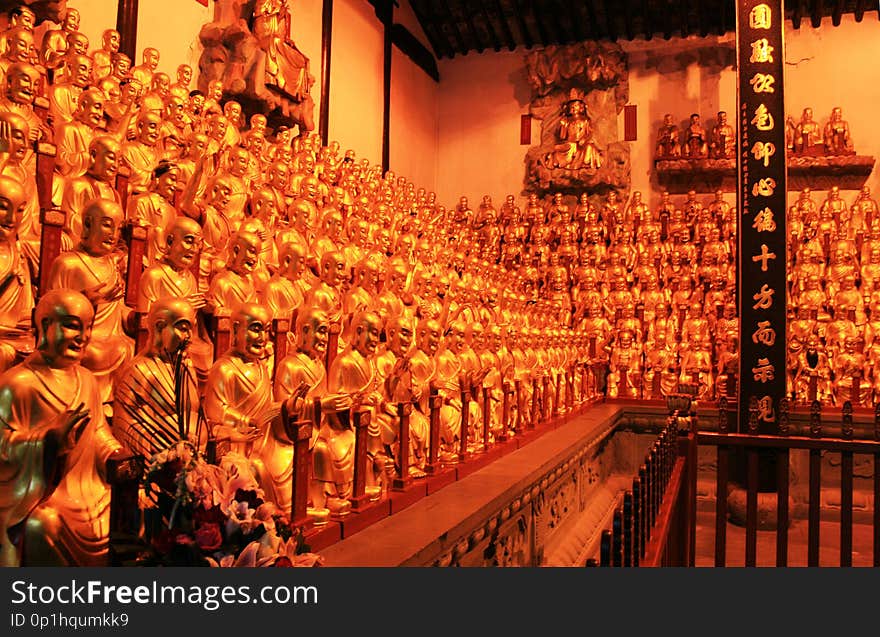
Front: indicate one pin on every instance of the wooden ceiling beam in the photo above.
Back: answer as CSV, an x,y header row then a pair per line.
x,y
628,19
490,28
859,10
449,19
836,12
577,18
542,28
594,22
798,14
683,9
647,22
519,12
816,13
430,29
610,23
475,35
723,16
667,22
702,22
562,34
505,26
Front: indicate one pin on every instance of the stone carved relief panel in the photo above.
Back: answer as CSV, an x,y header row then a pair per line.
x,y
578,91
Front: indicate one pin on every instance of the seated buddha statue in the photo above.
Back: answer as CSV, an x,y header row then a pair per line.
x,y
56,444
234,284
92,269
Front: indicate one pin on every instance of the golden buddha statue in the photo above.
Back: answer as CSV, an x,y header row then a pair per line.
x,y
239,404
96,183
661,359
77,44
326,294
54,426
144,71
352,373
54,44
284,293
723,144
695,144
156,400
19,49
64,96
141,154
14,134
20,16
18,97
299,380
181,88
234,284
625,357
668,146
92,268
576,148
73,138
154,209
850,370
16,293
102,58
836,135
808,135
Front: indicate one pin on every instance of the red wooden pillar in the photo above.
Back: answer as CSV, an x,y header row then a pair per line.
x,y
465,419
222,335
518,427
534,414
403,480
359,497
433,466
505,411
299,433
333,344
487,418
50,243
122,176
137,248
558,396
280,329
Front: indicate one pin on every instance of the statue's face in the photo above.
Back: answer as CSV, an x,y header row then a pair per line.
x,y
238,162
81,70
245,255
251,336
333,226
401,340
104,162
186,241
232,111
161,84
175,110
166,184
367,335
151,59
264,206
221,196
176,332
279,176
78,43
20,87
110,40
71,20
121,66
101,233
429,337
148,129
18,138
26,19
91,109
196,103
184,74
314,337
66,336
12,205
21,46
215,90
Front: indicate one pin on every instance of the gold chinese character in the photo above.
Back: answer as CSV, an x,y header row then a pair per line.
x,y
763,151
763,257
761,52
765,409
763,120
764,298
764,187
764,221
760,17
765,335
762,83
763,373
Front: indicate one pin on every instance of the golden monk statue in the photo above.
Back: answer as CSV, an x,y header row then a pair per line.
x,y
141,154
836,134
64,96
668,146
55,444
74,137
695,144
300,379
576,148
283,293
239,403
14,144
184,78
54,44
235,283
16,293
92,269
154,209
808,135
96,183
102,58
353,374
723,144
286,68
144,71
20,16
19,49
156,398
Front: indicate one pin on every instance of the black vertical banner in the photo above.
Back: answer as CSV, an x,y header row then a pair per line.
x,y
761,173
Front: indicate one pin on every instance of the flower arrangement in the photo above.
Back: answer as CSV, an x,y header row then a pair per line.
x,y
214,515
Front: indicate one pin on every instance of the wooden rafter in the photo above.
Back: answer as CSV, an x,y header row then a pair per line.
x,y
836,12
505,26
490,28
594,22
519,12
577,19
471,29
683,10
433,19
610,24
647,23
859,10
702,23
667,22
724,11
542,28
798,14
561,32
816,13
450,21
430,28
628,19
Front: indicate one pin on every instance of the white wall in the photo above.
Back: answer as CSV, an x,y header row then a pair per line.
x,y
356,71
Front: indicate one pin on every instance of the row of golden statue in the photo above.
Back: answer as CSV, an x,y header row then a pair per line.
x,y
191,275
803,138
